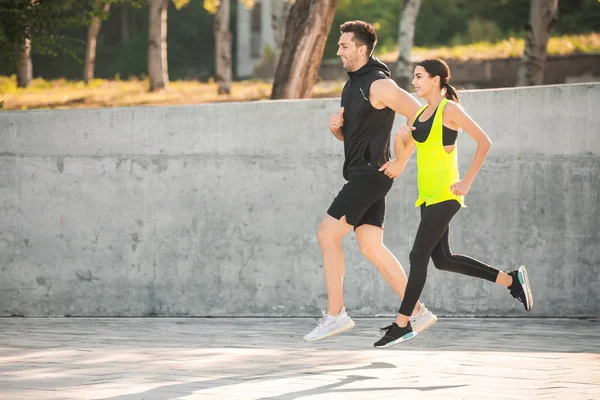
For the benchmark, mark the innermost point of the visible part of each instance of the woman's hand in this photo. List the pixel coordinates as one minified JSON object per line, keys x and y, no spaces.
{"x":460,"y":188}
{"x":405,"y":132}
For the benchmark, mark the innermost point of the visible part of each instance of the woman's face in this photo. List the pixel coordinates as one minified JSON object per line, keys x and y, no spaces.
{"x":423,"y":82}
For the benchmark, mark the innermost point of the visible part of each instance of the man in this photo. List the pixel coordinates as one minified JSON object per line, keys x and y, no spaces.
{"x":370,"y":101}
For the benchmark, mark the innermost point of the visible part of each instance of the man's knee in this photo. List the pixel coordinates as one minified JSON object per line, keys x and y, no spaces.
{"x":327,"y":236}
{"x":370,"y":249}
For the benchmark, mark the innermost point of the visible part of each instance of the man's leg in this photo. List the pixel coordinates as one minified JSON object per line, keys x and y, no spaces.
{"x":335,"y":320}
{"x":331,"y":232}
{"x":363,"y":189}
{"x":370,"y":240}
{"x":369,"y":233}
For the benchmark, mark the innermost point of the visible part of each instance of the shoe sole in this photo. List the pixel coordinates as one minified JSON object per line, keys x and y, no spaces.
{"x":430,"y":322}
{"x":334,"y":332}
{"x":524,"y":279}
{"x":404,"y":338}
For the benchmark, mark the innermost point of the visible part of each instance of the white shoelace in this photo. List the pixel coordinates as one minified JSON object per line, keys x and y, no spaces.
{"x":322,"y":319}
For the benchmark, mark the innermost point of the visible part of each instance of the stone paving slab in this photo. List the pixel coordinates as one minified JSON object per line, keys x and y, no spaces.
{"x":265,"y":358}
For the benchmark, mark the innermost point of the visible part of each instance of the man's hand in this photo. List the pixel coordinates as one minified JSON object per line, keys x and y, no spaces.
{"x":336,"y":121}
{"x":393,"y":168}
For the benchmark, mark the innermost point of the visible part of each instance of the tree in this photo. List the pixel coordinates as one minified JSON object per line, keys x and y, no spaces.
{"x":90,"y":50}
{"x":22,"y":41}
{"x":543,"y":14}
{"x":101,"y":9}
{"x":222,"y":35}
{"x":280,"y":9}
{"x":406,"y":34}
{"x":124,"y":24}
{"x":157,"y":45}
{"x":306,"y":31}
{"x":24,"y":65}
{"x":223,"y":39}
{"x":34,"y":26}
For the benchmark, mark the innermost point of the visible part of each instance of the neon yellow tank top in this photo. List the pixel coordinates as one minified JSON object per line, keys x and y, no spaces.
{"x":437,"y":170}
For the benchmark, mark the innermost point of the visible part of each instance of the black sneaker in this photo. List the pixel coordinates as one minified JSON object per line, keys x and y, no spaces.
{"x":393,"y":334}
{"x":520,"y":288}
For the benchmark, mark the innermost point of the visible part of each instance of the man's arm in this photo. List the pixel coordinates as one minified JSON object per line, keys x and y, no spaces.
{"x":339,"y":134}
{"x":404,"y":146}
{"x":336,"y":124}
{"x":385,"y":93}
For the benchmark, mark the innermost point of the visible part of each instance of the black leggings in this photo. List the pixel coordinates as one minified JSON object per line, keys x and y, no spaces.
{"x":432,"y":241}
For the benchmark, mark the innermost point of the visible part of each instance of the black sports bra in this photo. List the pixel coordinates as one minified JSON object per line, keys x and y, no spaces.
{"x":421,"y":133}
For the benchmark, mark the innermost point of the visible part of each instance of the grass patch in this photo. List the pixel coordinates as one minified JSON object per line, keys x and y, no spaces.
{"x":62,"y":94}
{"x":563,"y":45}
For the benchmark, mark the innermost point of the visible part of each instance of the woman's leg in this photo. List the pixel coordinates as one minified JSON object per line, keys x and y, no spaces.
{"x":517,"y":280}
{"x":434,"y":221}
{"x":444,"y":259}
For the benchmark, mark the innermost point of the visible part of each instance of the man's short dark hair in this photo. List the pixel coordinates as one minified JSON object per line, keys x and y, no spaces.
{"x":364,"y":33}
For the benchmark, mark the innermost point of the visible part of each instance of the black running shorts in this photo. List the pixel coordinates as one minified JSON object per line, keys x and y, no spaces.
{"x":362,"y":198}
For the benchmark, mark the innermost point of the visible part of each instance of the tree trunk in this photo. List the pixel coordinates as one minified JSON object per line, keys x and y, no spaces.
{"x":222,"y":35}
{"x":157,"y":45}
{"x":24,"y":66}
{"x":90,"y":51}
{"x":406,"y":34}
{"x":280,"y":9}
{"x":543,"y":14}
{"x":306,"y":31}
{"x":124,"y":25}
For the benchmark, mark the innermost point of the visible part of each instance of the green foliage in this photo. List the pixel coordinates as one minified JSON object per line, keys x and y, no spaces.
{"x":127,"y":59}
{"x":190,"y":43}
{"x":20,"y":19}
{"x":179,"y":4}
{"x":381,"y":13}
{"x":212,"y":6}
{"x":42,"y":22}
{"x":578,"y":16}
{"x":58,"y":29}
{"x":452,"y":22}
{"x":478,"y":30}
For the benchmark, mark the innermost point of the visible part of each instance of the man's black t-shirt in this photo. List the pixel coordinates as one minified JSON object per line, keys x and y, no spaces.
{"x":366,"y":129}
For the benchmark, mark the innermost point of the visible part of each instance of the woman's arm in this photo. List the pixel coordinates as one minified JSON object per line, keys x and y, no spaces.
{"x":460,"y":118}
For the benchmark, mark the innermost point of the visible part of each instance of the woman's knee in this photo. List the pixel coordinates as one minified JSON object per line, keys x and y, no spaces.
{"x":444,"y":259}
{"x":439,"y":261}
{"x":418,"y":257}
{"x":418,"y":266}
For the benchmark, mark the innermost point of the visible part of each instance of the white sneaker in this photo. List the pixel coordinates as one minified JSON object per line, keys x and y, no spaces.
{"x":423,"y":320}
{"x":329,"y":326}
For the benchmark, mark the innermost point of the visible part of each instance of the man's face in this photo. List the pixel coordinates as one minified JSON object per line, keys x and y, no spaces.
{"x":348,"y":52}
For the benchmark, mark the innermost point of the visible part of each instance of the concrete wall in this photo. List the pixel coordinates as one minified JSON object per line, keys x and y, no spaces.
{"x":499,"y":72}
{"x":213,"y":209}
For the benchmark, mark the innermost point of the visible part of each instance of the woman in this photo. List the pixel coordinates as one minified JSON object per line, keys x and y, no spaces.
{"x":441,"y":193}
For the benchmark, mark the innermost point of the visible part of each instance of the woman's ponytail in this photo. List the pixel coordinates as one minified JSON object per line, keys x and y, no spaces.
{"x":451,"y":93}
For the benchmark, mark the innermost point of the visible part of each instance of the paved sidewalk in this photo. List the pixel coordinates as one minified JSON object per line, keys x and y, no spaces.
{"x":256,"y":358}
